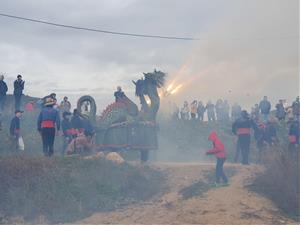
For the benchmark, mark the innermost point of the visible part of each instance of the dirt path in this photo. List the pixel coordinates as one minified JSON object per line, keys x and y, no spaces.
{"x":227,"y":205}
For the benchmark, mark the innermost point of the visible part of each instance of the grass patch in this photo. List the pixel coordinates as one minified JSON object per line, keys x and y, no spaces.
{"x":202,"y":186}
{"x":68,"y":189}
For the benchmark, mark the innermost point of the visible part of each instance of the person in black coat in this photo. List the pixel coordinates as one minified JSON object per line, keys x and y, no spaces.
{"x":3,"y":91}
{"x":119,"y":94}
{"x":76,"y":123}
{"x":15,"y":129}
{"x":294,"y":135}
{"x":242,"y":128}
{"x":18,"y":91}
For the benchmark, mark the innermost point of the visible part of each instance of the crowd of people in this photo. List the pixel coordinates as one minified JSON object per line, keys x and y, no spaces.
{"x":223,"y":111}
{"x":75,"y":128}
{"x":262,"y":120}
{"x":78,"y":132}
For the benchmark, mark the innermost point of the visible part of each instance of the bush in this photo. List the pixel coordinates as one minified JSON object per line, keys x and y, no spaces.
{"x":281,"y":181}
{"x":67,"y":189}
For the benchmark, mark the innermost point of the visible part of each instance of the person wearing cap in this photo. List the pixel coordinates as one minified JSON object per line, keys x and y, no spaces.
{"x":48,"y":120}
{"x":65,"y":105}
{"x":15,"y":129}
{"x":18,"y":91}
{"x":67,"y":130}
{"x":119,"y":94}
{"x":242,"y":129}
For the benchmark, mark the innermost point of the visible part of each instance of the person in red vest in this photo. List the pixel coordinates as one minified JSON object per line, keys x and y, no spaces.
{"x":47,"y":121}
{"x":219,"y":151}
{"x":242,"y":129}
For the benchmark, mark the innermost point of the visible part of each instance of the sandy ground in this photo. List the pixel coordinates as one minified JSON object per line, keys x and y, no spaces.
{"x":227,"y":205}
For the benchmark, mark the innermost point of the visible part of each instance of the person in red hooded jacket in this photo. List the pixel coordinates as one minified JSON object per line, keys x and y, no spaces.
{"x":219,"y":151}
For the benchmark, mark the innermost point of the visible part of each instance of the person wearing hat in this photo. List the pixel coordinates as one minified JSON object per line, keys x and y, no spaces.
{"x":18,"y":91}
{"x":48,"y":120}
{"x":15,"y":129}
{"x":67,"y":130}
{"x":242,"y":129}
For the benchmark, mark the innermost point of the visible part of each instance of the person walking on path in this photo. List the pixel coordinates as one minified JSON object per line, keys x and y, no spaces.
{"x":47,"y":120}
{"x":18,"y":91}
{"x":219,"y":151}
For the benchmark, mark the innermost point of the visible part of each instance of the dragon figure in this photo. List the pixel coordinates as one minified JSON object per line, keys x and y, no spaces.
{"x":121,"y":125}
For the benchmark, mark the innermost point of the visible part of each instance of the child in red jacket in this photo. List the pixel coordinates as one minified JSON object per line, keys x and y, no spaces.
{"x":219,"y":151}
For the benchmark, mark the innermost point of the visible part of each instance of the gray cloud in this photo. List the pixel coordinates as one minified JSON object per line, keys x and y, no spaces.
{"x":230,"y":54}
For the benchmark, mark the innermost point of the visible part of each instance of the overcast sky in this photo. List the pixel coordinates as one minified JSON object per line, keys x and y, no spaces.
{"x":247,"y":48}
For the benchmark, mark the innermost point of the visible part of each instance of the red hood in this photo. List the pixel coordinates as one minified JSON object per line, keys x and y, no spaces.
{"x":213,"y":136}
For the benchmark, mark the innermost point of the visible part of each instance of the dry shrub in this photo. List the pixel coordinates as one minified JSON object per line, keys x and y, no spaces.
{"x":281,"y":180}
{"x":67,"y":189}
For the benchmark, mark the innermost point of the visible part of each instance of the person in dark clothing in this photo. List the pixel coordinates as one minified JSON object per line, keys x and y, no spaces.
{"x":219,"y":110}
{"x":3,"y":91}
{"x":236,"y":110}
{"x":265,"y":107}
{"x":260,"y":137}
{"x":242,"y":128}
{"x":271,"y":132}
{"x":296,"y":109}
{"x":200,"y":111}
{"x":294,"y":134}
{"x":48,"y":119}
{"x":67,"y":130}
{"x":119,"y":94}
{"x":225,"y":110}
{"x":18,"y":91}
{"x":52,"y":96}
{"x":76,"y":123}
{"x":219,"y":151}
{"x":210,"y":108}
{"x":87,"y":125}
{"x":280,"y":111}
{"x":15,"y":129}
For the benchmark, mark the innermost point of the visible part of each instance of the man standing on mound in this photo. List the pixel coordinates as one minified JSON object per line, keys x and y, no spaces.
{"x":48,"y":119}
